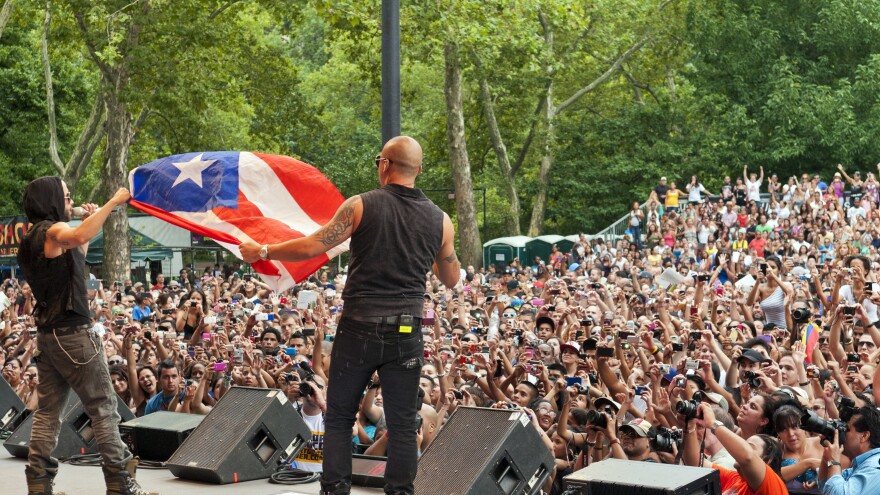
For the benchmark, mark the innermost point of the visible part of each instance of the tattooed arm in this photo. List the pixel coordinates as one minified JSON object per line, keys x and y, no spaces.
{"x":340,"y":228}
{"x":446,"y":266}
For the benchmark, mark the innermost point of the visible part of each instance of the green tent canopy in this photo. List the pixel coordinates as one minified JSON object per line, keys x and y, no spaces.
{"x":143,"y":248}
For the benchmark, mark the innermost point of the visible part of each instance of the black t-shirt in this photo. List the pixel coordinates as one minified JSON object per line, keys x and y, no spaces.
{"x":660,"y":190}
{"x":741,"y":195}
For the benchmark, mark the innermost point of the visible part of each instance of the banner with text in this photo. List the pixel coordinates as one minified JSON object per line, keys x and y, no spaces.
{"x":12,"y":231}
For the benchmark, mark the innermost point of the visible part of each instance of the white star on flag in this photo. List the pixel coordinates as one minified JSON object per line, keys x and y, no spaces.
{"x":192,"y":170}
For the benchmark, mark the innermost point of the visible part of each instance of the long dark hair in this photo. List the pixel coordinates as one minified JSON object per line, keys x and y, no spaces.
{"x":189,"y":295}
{"x":772,"y":453}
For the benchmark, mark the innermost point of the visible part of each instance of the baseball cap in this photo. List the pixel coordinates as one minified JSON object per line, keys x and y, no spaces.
{"x":717,"y":399}
{"x":639,"y":426}
{"x":570,"y":346}
{"x":662,"y":178}
{"x":174,"y":283}
{"x":606,"y":401}
{"x":753,"y":356}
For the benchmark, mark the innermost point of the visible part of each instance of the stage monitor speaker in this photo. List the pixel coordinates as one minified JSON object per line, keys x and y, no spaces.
{"x":486,"y":452}
{"x":619,"y":477}
{"x":76,"y":436}
{"x":368,"y":470}
{"x":155,"y":437}
{"x":245,"y":437}
{"x":11,"y":407}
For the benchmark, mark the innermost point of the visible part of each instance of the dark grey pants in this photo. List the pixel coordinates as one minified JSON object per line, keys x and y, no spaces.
{"x":58,"y":373}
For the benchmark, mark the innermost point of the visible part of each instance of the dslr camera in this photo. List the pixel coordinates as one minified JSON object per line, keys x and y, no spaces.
{"x":690,"y":409}
{"x":812,"y":423}
{"x":800,"y":315}
{"x":752,"y":379}
{"x":666,"y":438}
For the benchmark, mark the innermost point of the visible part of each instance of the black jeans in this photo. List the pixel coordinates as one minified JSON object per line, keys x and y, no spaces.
{"x":359,"y":349}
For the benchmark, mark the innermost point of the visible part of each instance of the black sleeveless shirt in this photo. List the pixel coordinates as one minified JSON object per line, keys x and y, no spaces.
{"x":59,"y":284}
{"x":392,"y":250}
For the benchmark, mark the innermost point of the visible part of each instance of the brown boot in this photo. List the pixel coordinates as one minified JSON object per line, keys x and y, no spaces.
{"x":123,"y":482}
{"x":40,"y":481}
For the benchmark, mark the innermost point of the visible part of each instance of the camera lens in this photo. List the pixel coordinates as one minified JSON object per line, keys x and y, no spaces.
{"x":597,"y":419}
{"x":688,"y":409}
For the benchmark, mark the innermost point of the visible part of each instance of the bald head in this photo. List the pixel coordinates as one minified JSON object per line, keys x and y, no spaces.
{"x":405,"y":154}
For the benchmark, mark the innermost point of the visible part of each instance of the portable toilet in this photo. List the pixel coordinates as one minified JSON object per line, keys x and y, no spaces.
{"x":503,"y":250}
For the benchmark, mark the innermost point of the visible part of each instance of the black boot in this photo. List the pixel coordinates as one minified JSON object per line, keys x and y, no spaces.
{"x":338,"y":488}
{"x":40,"y":481}
{"x":123,"y":482}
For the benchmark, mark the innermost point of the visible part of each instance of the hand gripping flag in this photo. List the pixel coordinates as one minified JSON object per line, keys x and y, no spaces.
{"x":233,"y":196}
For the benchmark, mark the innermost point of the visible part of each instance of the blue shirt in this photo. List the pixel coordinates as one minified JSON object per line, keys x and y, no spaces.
{"x":160,"y":403}
{"x":138,"y":314}
{"x":862,"y":477}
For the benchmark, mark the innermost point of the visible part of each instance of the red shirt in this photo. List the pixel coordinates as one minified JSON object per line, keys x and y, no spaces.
{"x":733,"y":484}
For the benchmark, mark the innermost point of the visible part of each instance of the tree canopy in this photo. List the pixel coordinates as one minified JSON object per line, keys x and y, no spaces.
{"x":570,"y":109}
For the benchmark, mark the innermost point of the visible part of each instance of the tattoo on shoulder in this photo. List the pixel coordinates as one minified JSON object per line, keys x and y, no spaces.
{"x":339,"y":227}
{"x":451,"y":258}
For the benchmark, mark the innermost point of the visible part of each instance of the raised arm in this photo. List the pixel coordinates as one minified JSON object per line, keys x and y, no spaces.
{"x":340,"y":228}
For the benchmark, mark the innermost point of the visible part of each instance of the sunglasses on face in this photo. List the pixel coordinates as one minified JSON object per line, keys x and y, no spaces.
{"x":114,"y":361}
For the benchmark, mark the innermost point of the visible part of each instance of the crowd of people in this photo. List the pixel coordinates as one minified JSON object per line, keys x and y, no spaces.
{"x":737,"y":331}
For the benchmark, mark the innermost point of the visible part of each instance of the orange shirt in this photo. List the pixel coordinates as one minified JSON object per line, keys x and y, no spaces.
{"x":733,"y":484}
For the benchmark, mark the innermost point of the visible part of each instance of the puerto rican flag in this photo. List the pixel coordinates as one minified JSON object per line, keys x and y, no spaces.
{"x":233,"y":196}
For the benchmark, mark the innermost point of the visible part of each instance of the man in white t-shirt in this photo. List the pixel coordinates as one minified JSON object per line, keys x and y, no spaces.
{"x":753,"y":184}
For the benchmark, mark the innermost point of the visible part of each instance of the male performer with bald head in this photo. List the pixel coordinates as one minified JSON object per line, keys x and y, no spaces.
{"x":397,"y":236}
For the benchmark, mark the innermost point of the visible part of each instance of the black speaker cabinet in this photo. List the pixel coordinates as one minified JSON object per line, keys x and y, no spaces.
{"x":484,"y":452}
{"x":76,"y":436}
{"x":618,"y":477}
{"x":245,"y":437}
{"x":11,"y":407}
{"x":155,"y":437}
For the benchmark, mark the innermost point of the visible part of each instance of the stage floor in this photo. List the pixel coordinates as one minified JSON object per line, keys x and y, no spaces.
{"x":86,"y":480}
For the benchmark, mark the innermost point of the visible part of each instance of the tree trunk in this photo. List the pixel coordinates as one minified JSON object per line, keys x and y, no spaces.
{"x":512,"y":215}
{"x":5,"y":13}
{"x":117,"y":249}
{"x":539,"y":208}
{"x":468,"y":232}
{"x":90,"y":136}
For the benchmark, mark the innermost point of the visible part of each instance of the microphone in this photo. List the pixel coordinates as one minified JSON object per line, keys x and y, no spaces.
{"x":79,"y":211}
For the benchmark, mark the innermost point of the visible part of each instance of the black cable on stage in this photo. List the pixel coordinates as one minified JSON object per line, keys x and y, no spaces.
{"x":83,"y":460}
{"x":286,"y":475}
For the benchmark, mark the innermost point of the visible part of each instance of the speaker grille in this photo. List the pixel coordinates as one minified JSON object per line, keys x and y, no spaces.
{"x":225,"y":428}
{"x":455,"y":459}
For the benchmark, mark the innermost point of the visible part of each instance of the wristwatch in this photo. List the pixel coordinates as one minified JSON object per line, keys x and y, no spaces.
{"x":715,"y":425}
{"x":832,"y":463}
{"x":264,"y":252}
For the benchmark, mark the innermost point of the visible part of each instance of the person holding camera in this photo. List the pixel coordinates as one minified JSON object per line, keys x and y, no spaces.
{"x":314,"y":406}
{"x":861,"y":443}
{"x":758,"y":459}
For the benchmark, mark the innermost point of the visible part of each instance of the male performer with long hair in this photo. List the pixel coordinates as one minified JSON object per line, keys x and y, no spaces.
{"x":69,"y":353}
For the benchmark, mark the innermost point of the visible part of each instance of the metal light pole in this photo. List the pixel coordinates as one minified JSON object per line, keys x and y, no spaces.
{"x":390,"y":69}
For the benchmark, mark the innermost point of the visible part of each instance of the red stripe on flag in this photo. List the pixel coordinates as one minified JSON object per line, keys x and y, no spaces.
{"x":313,"y":192}
{"x":248,"y":218}
{"x":263,"y":267}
